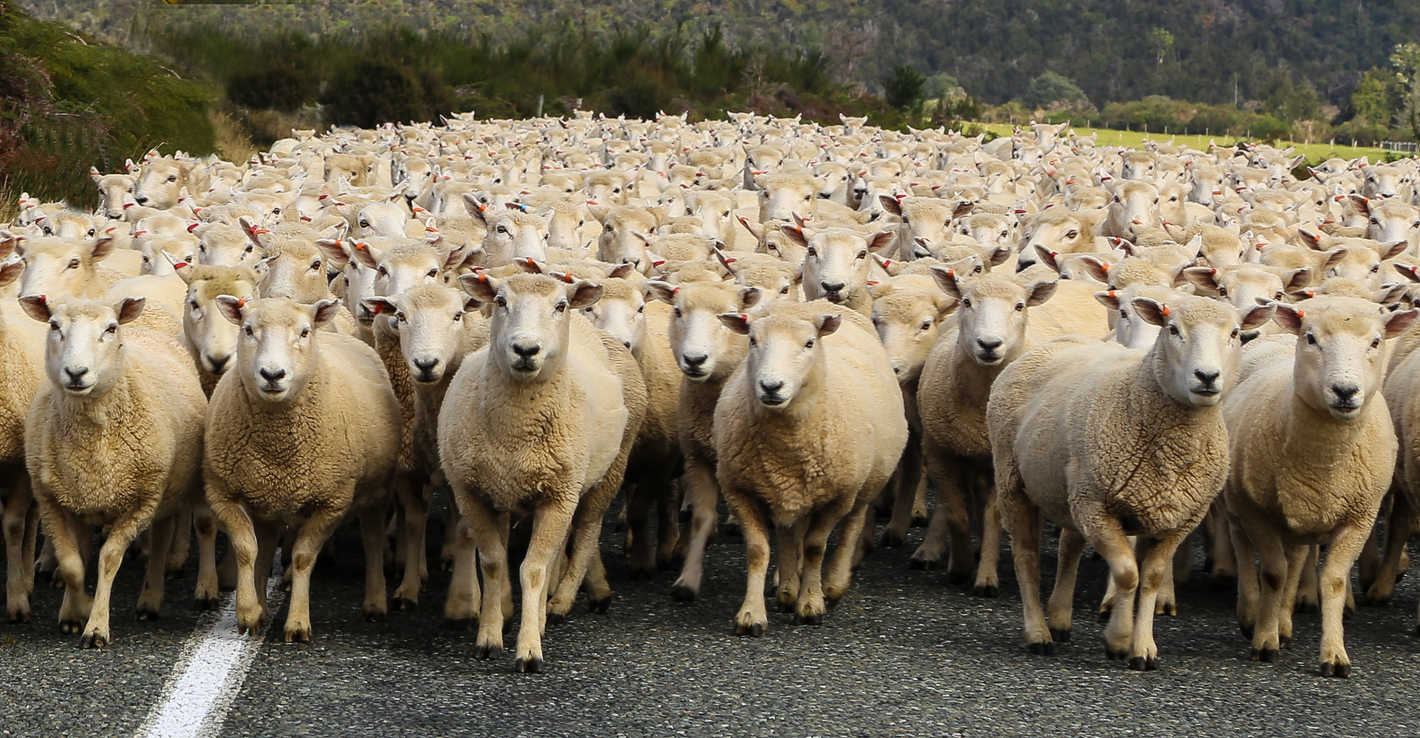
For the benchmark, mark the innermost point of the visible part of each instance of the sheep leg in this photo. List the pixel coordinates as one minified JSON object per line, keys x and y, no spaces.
{"x":453,"y":538}
{"x":375,"y":607}
{"x":1183,"y":560}
{"x":1107,"y":537}
{"x":1273,"y":560}
{"x":551,"y":524}
{"x":988,"y":581}
{"x":1249,"y":588}
{"x":462,"y":605}
{"x":1298,"y":558}
{"x":640,"y":499}
{"x":1345,"y":546}
{"x":1111,"y":593}
{"x":1158,"y":564}
{"x":667,"y":525}
{"x":243,"y":548}
{"x":904,"y":484}
{"x":919,"y":503}
{"x":1059,"y":609}
{"x":752,"y":620}
{"x":124,"y":530}
{"x":1225,"y":559}
{"x":20,"y":568}
{"x":585,"y":533}
{"x":811,"y":607}
{"x":1026,"y":527}
{"x":483,"y":525}
{"x":1382,"y":584}
{"x":703,"y":493}
{"x":950,"y":519}
{"x":66,"y":532}
{"x":48,"y":563}
{"x":150,"y":601}
{"x":840,"y":570}
{"x":414,"y":500}
{"x":309,"y":538}
{"x":1307,"y":595}
{"x":208,"y":587}
{"x":789,"y":540}
{"x":181,"y":545}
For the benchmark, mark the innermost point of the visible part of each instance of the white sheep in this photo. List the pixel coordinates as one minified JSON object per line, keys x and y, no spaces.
{"x":303,"y":429}
{"x":114,"y":436}
{"x":22,"y":348}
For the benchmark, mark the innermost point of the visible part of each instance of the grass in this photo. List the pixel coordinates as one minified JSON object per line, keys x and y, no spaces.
{"x":1315,"y":152}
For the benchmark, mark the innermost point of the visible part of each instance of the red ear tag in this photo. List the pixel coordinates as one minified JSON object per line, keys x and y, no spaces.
{"x":1112,"y":295}
{"x":241,"y":303}
{"x":1165,"y":310}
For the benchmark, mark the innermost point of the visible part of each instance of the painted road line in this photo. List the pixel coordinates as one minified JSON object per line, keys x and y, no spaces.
{"x":208,"y":676}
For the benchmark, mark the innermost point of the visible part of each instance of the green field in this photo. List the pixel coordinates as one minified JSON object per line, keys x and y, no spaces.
{"x":1315,"y":152}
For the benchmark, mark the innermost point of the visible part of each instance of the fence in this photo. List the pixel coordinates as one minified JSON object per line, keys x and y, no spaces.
{"x":1406,"y":146}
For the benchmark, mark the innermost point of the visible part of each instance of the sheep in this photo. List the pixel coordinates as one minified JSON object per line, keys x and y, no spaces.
{"x":925,"y":222}
{"x":114,"y":436}
{"x":837,"y":264}
{"x":624,"y":233}
{"x":707,"y":353}
{"x":576,"y":396}
{"x":22,"y":346}
{"x":510,"y":235}
{"x":279,"y":450}
{"x":112,"y":188}
{"x":993,"y":327}
{"x":1069,"y":423}
{"x":807,"y":431}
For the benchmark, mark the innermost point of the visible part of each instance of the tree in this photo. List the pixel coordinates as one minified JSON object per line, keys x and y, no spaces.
{"x":1406,"y":61}
{"x":1160,"y":42}
{"x":1051,"y":88}
{"x":903,"y":88}
{"x":1290,"y":102}
{"x":1372,"y":99}
{"x":939,"y":86}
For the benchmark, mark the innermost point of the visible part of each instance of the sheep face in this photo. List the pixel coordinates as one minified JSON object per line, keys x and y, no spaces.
{"x":359,"y":262}
{"x":62,"y":266}
{"x":907,"y":316}
{"x":84,"y":351}
{"x":608,"y":188}
{"x":1137,"y":165}
{"x":837,"y":181}
{"x":782,"y":195}
{"x":624,"y":235}
{"x":1341,"y":351}
{"x":112,"y":190}
{"x":1199,"y":345}
{"x":622,"y":313}
{"x":716,"y":213}
{"x":1389,"y":220}
{"x":1130,"y":328}
{"x":1359,"y":263}
{"x":784,"y":356}
{"x":1173,"y":207}
{"x":1380,"y":182}
{"x":1134,"y":204}
{"x":991,"y":316}
{"x":528,"y":331}
{"x":430,"y":320}
{"x":160,"y":182}
{"x":160,"y":253}
{"x":513,"y":235}
{"x":1058,"y":230}
{"x":212,"y":338}
{"x":406,"y":266}
{"x":1248,"y":285}
{"x":276,"y":345}
{"x":836,"y":262}
{"x":380,"y":219}
{"x":295,"y":271}
{"x":564,"y":224}
{"x":989,"y":230}
{"x":1207,"y":183}
{"x":69,"y":224}
{"x":926,"y":223}
{"x":225,"y":245}
{"x":704,"y":347}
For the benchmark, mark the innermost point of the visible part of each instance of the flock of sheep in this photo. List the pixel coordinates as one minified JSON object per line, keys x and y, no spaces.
{"x":534,"y":316}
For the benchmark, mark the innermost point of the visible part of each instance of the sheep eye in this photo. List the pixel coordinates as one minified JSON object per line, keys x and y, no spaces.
{"x":382,"y":271}
{"x":500,"y":302}
{"x":249,"y":331}
{"x":641,"y":309}
{"x":561,"y":307}
{"x":926,"y":324}
{"x":315,"y":265}
{"x":1072,"y":234}
{"x":458,"y":316}
{"x":305,"y":332}
{"x":966,"y":303}
{"x":1311,"y":339}
{"x":862,"y":254}
{"x":752,"y":342}
{"x":1376,"y":343}
{"x":172,"y":177}
{"x":1277,"y":296}
{"x":809,"y":344}
{"x":677,"y":312}
{"x":811,"y":252}
{"x":784,"y":290}
{"x":433,"y":273}
{"x":1173,"y":329}
{"x":364,"y":224}
{"x":54,"y":325}
{"x":247,"y":250}
{"x":588,"y":311}
{"x":111,"y":329}
{"x":73,"y":264}
{"x":1235,"y":333}
{"x":1020,"y":307}
{"x":91,"y":231}
{"x":1222,"y":291}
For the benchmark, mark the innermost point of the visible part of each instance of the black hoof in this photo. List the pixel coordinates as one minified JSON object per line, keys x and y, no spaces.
{"x":984,"y":590}
{"x":890,"y":540}
{"x":486,"y":651}
{"x":958,"y":578}
{"x":70,"y":626}
{"x":815,"y":619}
{"x":919,"y":521}
{"x":1246,"y":631}
{"x":302,"y":635}
{"x":1060,"y":636}
{"x":1367,"y":601}
{"x":375,"y":616}
{"x":1042,"y":649}
{"x":208,"y":603}
{"x":144,"y":613}
{"x":1225,"y":581}
{"x":599,"y":606}
{"x":1268,"y":655}
{"x":682,"y":593}
{"x":1328,"y":669}
{"x":1303,"y":606}
{"x":446,"y":563}
{"x":460,"y":623}
{"x":789,"y":605}
{"x":556,"y":618}
{"x":93,"y":640}
{"x":1121,"y":655}
{"x":405,"y":604}
{"x":20,"y":617}
{"x":921,"y":564}
{"x":1140,"y":663}
{"x":528,"y":666}
{"x":1168,"y":609}
{"x":755,"y":630}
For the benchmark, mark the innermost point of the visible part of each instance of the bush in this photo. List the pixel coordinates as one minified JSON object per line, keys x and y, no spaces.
{"x":371,"y":90}
{"x":1050,"y":89}
{"x":903,"y":88}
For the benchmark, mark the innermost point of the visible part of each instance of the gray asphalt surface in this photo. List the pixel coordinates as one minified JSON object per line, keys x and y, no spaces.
{"x":903,"y":654}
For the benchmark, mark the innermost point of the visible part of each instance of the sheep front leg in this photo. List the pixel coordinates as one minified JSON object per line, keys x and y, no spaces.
{"x":703,"y":493}
{"x":1105,"y":534}
{"x":1059,"y":610}
{"x":414,"y":499}
{"x":376,"y":606}
{"x":1298,"y":557}
{"x":790,"y":540}
{"x":461,"y":606}
{"x":66,"y":533}
{"x":181,"y":545}
{"x":1346,"y":543}
{"x":949,"y":514}
{"x":640,"y":549}
{"x":1249,"y":591}
{"x":840,"y":571}
{"x":752,"y":619}
{"x":124,"y":530}
{"x":811,"y":607}
{"x":20,"y":567}
{"x":904,"y":483}
{"x":551,"y":524}
{"x":1158,"y":564}
{"x":1382,"y":582}
{"x":242,"y":547}
{"x":1308,"y":594}
{"x":1024,"y":523}
{"x":452,"y":537}
{"x":1273,"y":559}
{"x":667,"y":526}
{"x":988,"y":582}
{"x":150,"y":601}
{"x":585,"y":531}
{"x":208,"y":587}
{"x":492,"y":545}
{"x":1225,"y":560}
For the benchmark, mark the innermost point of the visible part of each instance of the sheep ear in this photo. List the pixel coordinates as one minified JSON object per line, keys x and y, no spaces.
{"x":1296,"y":279}
{"x":365,"y":255}
{"x":1108,"y":298}
{"x":584,"y":294}
{"x":1258,"y":316}
{"x":750,"y":296}
{"x":1040,"y":292}
{"x":479,"y":286}
{"x":474,"y":208}
{"x":1047,"y":257}
{"x":1313,"y":240}
{"x":827,"y":324}
{"x":1362,"y":204}
{"x":1204,"y":278}
{"x":1333,"y":257}
{"x":999,"y":255}
{"x":103,"y":246}
{"x":1153,"y":312}
{"x":9,"y":242}
{"x":231,"y":308}
{"x":795,"y":234}
{"x":1411,"y":273}
{"x":529,"y":265}
{"x":379,"y":305}
{"x":1400,"y":322}
{"x":880,"y":240}
{"x":334,"y":250}
{"x":962,"y":209}
{"x":622,"y":271}
{"x":737,"y":322}
{"x":1096,"y":267}
{"x":947,"y":280}
{"x":890,"y":204}
{"x":129,"y":308}
{"x":755,"y":229}
{"x":324,"y":311}
{"x":1289,"y":317}
{"x":1392,"y":249}
{"x":658,"y":290}
{"x":37,"y":307}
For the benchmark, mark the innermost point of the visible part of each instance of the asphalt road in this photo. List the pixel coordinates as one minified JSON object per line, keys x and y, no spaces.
{"x":903,"y":654}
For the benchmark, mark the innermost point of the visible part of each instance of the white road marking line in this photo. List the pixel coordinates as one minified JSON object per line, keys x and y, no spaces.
{"x":208,"y":676}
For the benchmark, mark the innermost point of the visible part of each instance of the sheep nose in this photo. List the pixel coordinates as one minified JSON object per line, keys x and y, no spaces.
{"x":218,"y":363}
{"x":140,"y":199}
{"x":425,"y":366}
{"x":824,"y":195}
{"x":1207,"y":378}
{"x":771,"y":388}
{"x":1344,"y":392}
{"x":831,"y":286}
{"x":989,"y":344}
{"x":526,"y":351}
{"x":76,"y":374}
{"x":695,"y":360}
{"x":272,"y":376}
{"x":627,"y":344}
